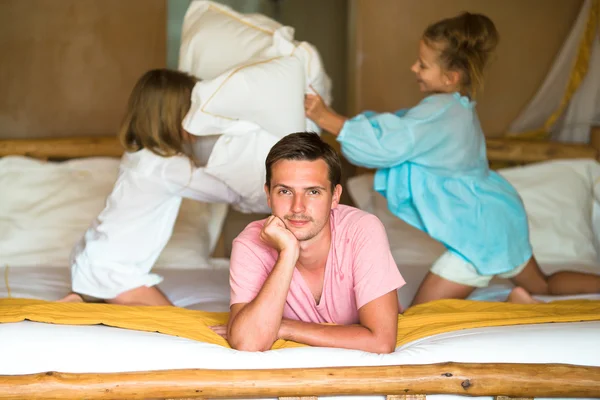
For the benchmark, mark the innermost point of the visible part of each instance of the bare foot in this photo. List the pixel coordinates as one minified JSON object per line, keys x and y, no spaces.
{"x":521,"y":296}
{"x":72,"y":298}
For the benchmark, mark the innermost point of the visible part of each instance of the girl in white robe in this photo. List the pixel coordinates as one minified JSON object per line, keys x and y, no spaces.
{"x":113,"y":260}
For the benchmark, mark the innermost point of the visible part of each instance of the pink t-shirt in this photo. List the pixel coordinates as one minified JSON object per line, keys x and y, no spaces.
{"x":359,"y":269}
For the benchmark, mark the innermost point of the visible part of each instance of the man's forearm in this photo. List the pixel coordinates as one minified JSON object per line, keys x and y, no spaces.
{"x":256,"y":326}
{"x":355,"y":337}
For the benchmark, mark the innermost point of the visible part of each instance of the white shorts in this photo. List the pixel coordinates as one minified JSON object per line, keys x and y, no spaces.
{"x":453,"y":268}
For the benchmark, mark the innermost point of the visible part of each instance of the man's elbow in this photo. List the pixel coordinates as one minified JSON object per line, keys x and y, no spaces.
{"x":245,"y":344}
{"x":385,"y":346}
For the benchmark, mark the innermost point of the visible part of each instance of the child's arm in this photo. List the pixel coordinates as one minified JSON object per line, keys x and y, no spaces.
{"x":327,"y":118}
{"x":384,"y":140}
{"x":183,"y":179}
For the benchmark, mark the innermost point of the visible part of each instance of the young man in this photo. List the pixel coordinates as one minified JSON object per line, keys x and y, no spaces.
{"x":312,"y":261}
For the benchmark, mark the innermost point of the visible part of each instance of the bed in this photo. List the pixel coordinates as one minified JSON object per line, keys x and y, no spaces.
{"x":95,"y":361}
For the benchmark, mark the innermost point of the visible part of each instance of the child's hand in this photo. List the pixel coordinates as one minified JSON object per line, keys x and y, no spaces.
{"x":315,"y":107}
{"x":322,"y":115}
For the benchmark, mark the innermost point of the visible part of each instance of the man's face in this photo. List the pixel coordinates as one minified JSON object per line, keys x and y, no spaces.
{"x":300,"y":194}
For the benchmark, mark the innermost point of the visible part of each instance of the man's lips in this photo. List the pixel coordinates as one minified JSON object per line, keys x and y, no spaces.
{"x":298,"y":222}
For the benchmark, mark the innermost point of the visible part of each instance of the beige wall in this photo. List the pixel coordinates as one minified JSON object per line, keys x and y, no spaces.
{"x":323,"y":23}
{"x":68,"y":65}
{"x":385,"y":34}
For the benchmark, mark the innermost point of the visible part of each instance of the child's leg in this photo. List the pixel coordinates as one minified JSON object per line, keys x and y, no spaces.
{"x":141,"y":296}
{"x":79,"y":298}
{"x":71,"y":298}
{"x":435,"y":287}
{"x":521,"y":296}
{"x":533,"y":280}
{"x":451,"y":277}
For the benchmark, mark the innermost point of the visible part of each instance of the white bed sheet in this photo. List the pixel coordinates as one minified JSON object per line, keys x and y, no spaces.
{"x":208,"y":289}
{"x":498,"y":290}
{"x":202,"y":289}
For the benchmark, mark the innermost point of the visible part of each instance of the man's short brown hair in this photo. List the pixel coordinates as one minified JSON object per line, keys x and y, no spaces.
{"x":305,"y":146}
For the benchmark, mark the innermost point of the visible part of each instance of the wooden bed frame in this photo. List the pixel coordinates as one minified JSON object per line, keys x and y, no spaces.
{"x":396,"y":382}
{"x":499,"y":150}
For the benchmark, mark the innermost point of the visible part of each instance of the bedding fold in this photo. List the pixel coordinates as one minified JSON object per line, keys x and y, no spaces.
{"x":417,"y":322}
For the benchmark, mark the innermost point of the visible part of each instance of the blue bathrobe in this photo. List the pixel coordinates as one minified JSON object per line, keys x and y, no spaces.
{"x":433,"y":170}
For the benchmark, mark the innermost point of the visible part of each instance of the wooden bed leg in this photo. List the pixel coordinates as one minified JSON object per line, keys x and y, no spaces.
{"x":406,"y":396}
{"x":512,"y":398}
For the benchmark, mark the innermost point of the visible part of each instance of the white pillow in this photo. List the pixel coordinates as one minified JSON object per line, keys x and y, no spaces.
{"x":45,"y":209}
{"x":269,"y":93}
{"x":216,"y":39}
{"x":317,"y":79}
{"x":238,"y":160}
{"x":559,"y":204}
{"x":558,"y":200}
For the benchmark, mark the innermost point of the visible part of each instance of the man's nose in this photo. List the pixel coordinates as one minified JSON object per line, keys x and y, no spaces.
{"x":298,"y":203}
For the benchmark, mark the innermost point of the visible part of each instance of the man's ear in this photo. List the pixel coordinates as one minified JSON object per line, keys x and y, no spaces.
{"x":337,"y":195}
{"x":268,"y":193}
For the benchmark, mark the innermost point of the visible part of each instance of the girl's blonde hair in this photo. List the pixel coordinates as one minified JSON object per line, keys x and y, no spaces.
{"x":466,"y":43}
{"x":157,"y":106}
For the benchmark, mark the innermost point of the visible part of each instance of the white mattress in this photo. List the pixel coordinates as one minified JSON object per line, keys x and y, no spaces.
{"x":105,"y":349}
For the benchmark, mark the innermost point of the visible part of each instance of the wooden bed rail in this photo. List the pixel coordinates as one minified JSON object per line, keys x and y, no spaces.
{"x":469,"y":379}
{"x":528,"y":151}
{"x":499,"y":150}
{"x":63,"y":148}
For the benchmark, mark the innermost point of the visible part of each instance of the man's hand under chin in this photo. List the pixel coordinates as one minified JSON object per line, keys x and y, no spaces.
{"x":278,"y":236}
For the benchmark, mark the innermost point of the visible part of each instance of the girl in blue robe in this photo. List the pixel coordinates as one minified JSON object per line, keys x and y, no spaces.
{"x":433,"y":170}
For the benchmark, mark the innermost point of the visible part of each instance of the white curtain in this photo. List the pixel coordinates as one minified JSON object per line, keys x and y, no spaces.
{"x":583,"y":110}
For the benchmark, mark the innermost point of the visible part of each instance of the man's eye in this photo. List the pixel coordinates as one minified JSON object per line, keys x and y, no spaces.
{"x":314,"y":192}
